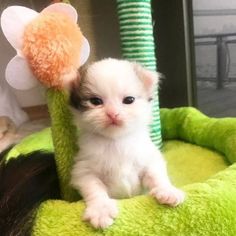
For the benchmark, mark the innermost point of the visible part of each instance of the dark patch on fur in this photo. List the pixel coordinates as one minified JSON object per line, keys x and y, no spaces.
{"x":76,"y":101}
{"x":25,"y":182}
{"x":80,"y":93}
{"x":74,"y":97}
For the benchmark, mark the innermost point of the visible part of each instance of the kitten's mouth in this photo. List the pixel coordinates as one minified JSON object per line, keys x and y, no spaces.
{"x":114,"y":123}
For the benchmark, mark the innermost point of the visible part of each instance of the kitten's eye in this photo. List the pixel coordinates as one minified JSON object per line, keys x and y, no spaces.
{"x":96,"y":101}
{"x":128,"y":100}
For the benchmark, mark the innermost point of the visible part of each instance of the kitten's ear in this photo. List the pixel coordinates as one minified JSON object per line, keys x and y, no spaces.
{"x":149,"y":78}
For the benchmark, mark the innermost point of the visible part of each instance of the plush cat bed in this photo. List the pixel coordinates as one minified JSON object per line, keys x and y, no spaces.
{"x":200,"y":153}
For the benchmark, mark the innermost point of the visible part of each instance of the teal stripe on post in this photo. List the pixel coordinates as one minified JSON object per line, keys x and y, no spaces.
{"x":137,"y":42}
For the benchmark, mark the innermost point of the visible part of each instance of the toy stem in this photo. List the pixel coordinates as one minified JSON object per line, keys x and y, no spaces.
{"x":64,"y":135}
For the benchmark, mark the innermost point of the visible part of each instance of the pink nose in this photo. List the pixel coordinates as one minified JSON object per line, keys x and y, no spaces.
{"x":112,"y":116}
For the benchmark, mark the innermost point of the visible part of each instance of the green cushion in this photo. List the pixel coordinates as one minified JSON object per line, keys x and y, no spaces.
{"x":200,"y":153}
{"x":38,"y":141}
{"x":190,"y":125}
{"x":210,"y":207}
{"x":188,"y":163}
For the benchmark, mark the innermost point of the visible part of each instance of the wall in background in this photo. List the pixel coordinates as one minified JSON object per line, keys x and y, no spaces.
{"x":99,"y":22}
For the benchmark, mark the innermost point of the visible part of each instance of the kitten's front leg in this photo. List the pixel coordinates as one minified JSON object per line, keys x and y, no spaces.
{"x":100,"y":208}
{"x":155,"y":178}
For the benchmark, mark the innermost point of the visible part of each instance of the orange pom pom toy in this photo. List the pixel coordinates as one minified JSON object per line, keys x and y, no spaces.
{"x":49,"y":45}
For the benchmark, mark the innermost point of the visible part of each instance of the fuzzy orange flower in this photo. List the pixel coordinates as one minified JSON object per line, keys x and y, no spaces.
{"x":49,"y":45}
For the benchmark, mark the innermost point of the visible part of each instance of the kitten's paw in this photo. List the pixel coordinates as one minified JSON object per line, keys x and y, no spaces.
{"x":101,"y":214}
{"x":168,"y":195}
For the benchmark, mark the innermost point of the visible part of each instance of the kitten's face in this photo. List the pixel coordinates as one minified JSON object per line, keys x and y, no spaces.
{"x":111,"y":99}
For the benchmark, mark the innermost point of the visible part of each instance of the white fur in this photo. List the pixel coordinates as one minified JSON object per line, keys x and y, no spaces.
{"x":118,"y":161}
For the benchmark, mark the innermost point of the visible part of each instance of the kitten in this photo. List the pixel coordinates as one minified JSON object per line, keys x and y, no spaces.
{"x":117,"y":158}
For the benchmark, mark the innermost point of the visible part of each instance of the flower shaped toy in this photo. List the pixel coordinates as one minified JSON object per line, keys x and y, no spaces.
{"x":50,"y":46}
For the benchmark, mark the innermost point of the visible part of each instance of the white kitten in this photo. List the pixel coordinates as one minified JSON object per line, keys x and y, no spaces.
{"x":117,"y":158}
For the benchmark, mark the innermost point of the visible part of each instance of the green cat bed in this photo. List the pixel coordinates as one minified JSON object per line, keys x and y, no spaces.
{"x":200,"y":153}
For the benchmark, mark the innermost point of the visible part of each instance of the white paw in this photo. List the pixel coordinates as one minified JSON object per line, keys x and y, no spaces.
{"x":100,"y":214}
{"x":168,"y":195}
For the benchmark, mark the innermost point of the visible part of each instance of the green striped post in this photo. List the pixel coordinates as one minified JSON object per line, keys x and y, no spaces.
{"x":137,"y":42}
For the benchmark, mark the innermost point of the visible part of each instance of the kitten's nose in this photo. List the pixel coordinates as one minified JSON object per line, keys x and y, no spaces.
{"x":112,"y":115}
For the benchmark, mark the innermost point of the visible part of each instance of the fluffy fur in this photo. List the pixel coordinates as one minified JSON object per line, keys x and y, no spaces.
{"x":25,"y":182}
{"x":117,"y":158}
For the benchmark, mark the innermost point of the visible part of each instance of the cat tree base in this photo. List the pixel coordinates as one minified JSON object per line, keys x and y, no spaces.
{"x":200,"y":153}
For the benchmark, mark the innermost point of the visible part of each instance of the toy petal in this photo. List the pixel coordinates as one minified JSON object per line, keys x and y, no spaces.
{"x":85,"y":50}
{"x":13,"y":22}
{"x":63,"y":8}
{"x":19,"y":75}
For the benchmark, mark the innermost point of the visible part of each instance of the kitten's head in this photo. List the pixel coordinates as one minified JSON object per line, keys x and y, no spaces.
{"x":113,"y":97}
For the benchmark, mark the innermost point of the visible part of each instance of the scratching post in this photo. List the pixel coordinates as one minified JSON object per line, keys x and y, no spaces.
{"x":64,"y":138}
{"x":137,"y":42}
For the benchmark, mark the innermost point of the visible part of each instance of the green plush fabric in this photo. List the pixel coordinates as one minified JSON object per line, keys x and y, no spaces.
{"x":189,"y":125}
{"x":188,"y":163}
{"x":64,"y":136}
{"x":205,"y":171}
{"x":200,"y":154}
{"x":210,"y":207}
{"x":38,"y":141}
